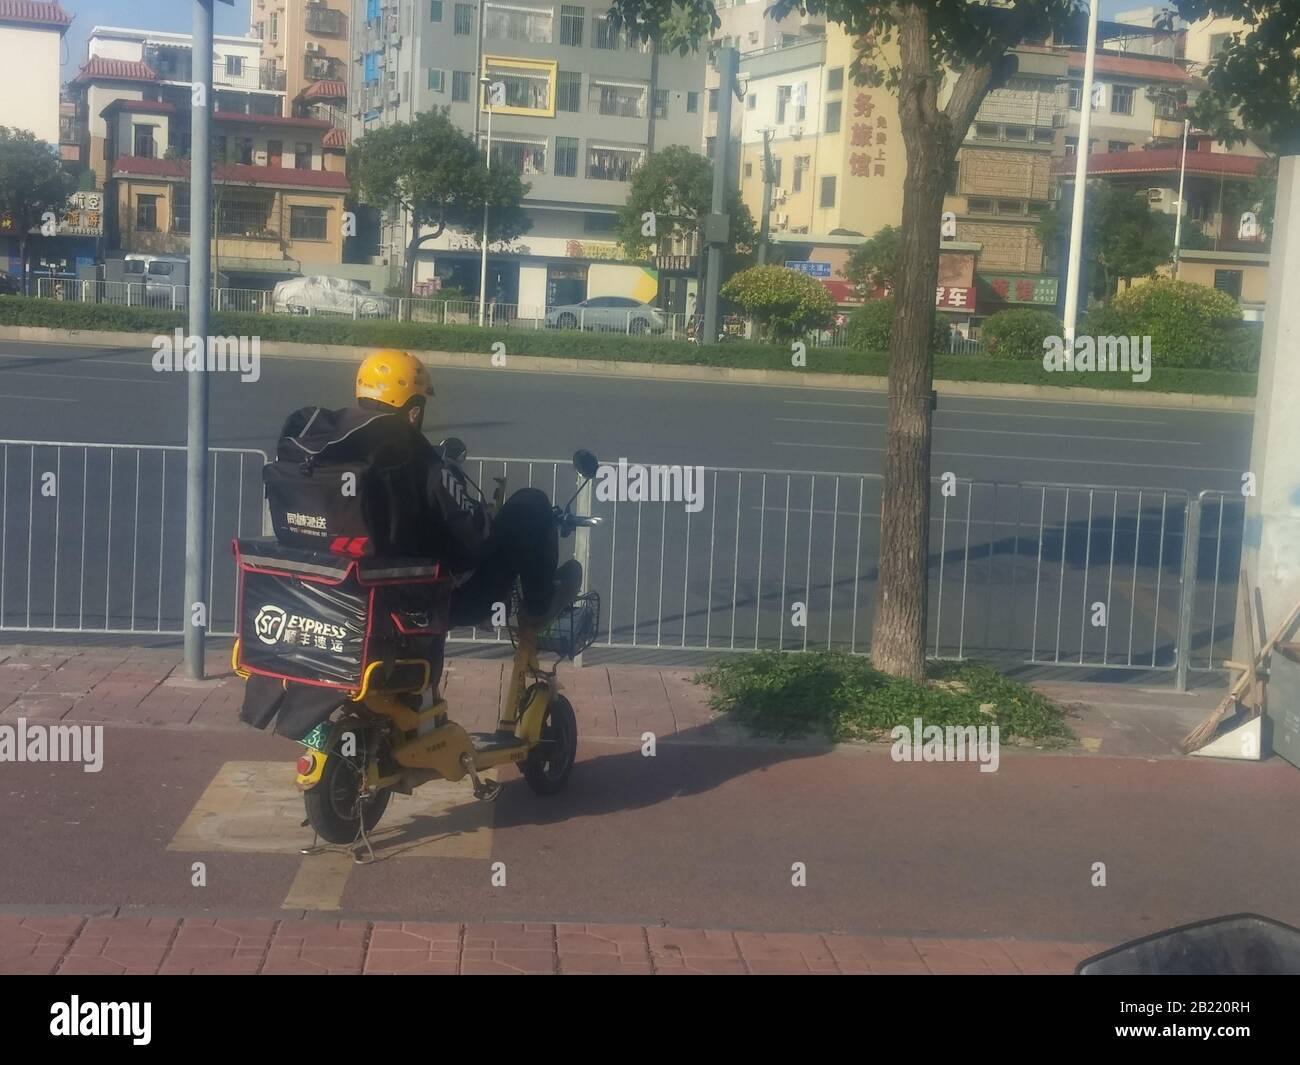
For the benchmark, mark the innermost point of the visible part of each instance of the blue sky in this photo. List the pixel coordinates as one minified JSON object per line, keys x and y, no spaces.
{"x":176,"y":15}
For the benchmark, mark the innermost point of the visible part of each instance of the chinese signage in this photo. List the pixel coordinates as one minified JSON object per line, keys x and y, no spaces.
{"x":868,"y":136}
{"x":946,"y":297}
{"x":810,"y":267}
{"x":83,"y":216}
{"x":1040,"y":290}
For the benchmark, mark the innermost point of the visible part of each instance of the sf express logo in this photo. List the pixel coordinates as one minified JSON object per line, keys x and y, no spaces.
{"x":272,"y":623}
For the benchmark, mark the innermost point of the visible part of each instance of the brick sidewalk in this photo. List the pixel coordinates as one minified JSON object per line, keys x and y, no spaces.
{"x":117,"y":945}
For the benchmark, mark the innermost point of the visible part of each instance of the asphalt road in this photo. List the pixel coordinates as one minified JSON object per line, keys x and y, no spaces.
{"x":791,"y":517}
{"x":699,"y":836}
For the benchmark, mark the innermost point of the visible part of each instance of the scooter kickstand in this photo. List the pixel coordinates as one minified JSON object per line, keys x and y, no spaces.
{"x":486,"y":790}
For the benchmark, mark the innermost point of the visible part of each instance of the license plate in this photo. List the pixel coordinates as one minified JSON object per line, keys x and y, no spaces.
{"x":315,"y":739}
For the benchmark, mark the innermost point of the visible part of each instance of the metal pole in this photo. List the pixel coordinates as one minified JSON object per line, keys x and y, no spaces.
{"x":1080,"y":184}
{"x":1178,"y":218}
{"x":196,"y":440}
{"x":727,"y":63}
{"x":482,"y":268}
{"x":1187,"y":595}
{"x":767,"y":197}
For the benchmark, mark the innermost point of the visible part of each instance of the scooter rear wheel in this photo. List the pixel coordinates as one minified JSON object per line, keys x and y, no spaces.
{"x":334,"y":806}
{"x":548,"y":774}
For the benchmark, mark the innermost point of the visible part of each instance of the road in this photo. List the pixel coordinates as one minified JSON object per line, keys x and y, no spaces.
{"x":699,"y":836}
{"x":1015,"y":566}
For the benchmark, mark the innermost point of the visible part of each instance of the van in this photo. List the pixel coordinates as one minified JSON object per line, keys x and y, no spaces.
{"x":165,"y":279}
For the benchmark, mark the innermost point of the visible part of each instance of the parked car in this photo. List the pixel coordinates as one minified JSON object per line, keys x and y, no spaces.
{"x":165,"y":278}
{"x":10,"y":284}
{"x":617,"y":313}
{"x":326,"y":295}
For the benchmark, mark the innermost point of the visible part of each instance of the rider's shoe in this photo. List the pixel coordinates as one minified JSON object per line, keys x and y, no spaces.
{"x":568,"y":583}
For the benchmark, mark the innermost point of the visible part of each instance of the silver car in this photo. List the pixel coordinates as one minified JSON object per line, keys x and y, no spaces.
{"x":608,"y":313}
{"x":327,"y":295}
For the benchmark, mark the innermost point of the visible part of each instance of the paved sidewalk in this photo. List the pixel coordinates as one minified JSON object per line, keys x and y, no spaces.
{"x":128,"y":945}
{"x":146,"y":686}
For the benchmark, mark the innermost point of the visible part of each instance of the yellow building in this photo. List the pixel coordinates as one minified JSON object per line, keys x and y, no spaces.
{"x":307,"y":40}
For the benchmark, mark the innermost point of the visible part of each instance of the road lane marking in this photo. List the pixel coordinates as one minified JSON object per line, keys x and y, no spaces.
{"x":1021,"y":458}
{"x":983,"y":413}
{"x":1010,"y":432}
{"x":152,"y":379}
{"x":47,"y":399}
{"x":319,"y":882}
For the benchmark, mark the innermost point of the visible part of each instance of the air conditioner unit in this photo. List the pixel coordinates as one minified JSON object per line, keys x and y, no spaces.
{"x":312,"y":48}
{"x":778,"y":195}
{"x":796,"y":132}
{"x":1155,"y":195}
{"x":781,"y":219}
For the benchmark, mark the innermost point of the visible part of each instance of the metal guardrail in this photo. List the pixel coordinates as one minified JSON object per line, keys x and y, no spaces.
{"x":1090,"y":576}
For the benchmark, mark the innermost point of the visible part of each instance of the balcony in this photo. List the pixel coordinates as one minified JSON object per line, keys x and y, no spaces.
{"x":272,"y":77}
{"x":322,"y":68}
{"x":325,"y":20}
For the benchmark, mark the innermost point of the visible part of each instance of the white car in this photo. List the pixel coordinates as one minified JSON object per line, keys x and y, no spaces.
{"x":327,"y":295}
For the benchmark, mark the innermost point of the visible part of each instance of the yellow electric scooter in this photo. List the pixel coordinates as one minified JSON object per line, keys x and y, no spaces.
{"x":381,"y":741}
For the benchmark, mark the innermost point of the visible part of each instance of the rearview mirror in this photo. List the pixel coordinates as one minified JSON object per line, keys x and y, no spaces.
{"x":1241,"y":944}
{"x":454,"y":449}
{"x":585,"y":462}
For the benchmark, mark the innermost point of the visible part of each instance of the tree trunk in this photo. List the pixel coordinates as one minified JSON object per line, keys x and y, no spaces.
{"x":931,"y":137}
{"x":413,"y":249}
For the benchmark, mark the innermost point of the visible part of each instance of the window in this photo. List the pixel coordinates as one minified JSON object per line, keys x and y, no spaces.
{"x":713,"y":101}
{"x":463,"y":25}
{"x":801,"y":163}
{"x":692,"y":102}
{"x":435,"y":10}
{"x":372,"y":10}
{"x":833,"y":111}
{"x":308,"y":223}
{"x":275,"y":153}
{"x":776,"y":171}
{"x":219,"y":149}
{"x":710,"y":146}
{"x":460,"y":83}
{"x":1044,"y":136}
{"x":234,"y":66}
{"x":1121,"y":99}
{"x":571,"y":24}
{"x":523,"y":157}
{"x":275,"y":26}
{"x":987,"y":130}
{"x":1010,"y":207}
{"x":243,"y":217}
{"x":606,"y":35}
{"x":437,"y":80}
{"x":181,"y":209}
{"x":782,"y":101}
{"x":749,"y":170}
{"x":1071,"y":145}
{"x":529,"y":91}
{"x":566,"y":156}
{"x":614,"y":98}
{"x":611,"y":164}
{"x":1017,"y":133}
{"x":661,"y":103}
{"x":568,"y":91}
{"x":517,"y":24}
{"x":594,"y":222}
{"x":1118,"y":146}
{"x":370,"y":69}
{"x":1228,"y":281}
{"x":244,"y":151}
{"x":979,"y":205}
{"x":753,"y":37}
{"x":835,"y":79}
{"x":1074,"y":95}
{"x":143,"y":144}
{"x":302,"y":156}
{"x":1218,"y":42}
{"x":828,"y":192}
{"x":146,"y":214}
{"x":1166,"y":106}
{"x":751,"y":101}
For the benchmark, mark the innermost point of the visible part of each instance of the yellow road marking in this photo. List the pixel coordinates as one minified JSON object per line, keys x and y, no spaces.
{"x":319,"y":882}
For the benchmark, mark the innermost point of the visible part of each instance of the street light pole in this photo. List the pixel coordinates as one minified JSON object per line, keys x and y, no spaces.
{"x":764,"y":226}
{"x":195,"y":610}
{"x":482,"y":269}
{"x":1080,"y":184}
{"x":1178,"y":218}
{"x":717,"y":225}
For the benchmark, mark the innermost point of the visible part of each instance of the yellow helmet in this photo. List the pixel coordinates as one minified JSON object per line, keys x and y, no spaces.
{"x":392,"y":377}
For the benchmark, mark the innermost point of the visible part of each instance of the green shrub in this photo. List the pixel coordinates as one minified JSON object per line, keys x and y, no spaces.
{"x":872,"y":324}
{"x":1019,"y":333}
{"x":1189,"y":325}
{"x":786,"y":303}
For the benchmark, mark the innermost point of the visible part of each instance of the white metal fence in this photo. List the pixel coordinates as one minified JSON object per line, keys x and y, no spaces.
{"x":1065,"y":575}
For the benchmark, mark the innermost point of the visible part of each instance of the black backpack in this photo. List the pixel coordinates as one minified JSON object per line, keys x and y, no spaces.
{"x":345,"y":481}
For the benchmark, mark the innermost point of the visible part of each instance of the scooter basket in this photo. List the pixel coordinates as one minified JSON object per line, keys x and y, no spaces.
{"x":575,"y":629}
{"x":317,"y":618}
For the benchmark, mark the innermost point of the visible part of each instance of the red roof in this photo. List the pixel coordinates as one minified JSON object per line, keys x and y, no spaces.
{"x":115,"y":70}
{"x":270,"y":120}
{"x":1133,"y":66}
{"x":35,"y":12}
{"x":140,"y":107}
{"x":231,"y":173}
{"x":325,"y":90}
{"x":1165,"y":160}
{"x":335,"y":138}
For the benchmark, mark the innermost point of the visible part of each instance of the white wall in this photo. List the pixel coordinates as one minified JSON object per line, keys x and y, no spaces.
{"x":29,"y":81}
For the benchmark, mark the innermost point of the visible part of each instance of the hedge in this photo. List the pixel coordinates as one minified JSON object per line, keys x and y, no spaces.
{"x":25,"y":311}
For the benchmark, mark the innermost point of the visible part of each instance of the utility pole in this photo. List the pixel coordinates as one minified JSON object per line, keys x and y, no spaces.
{"x":1178,"y":218}
{"x":196,"y":436}
{"x":1080,"y":184}
{"x":717,"y":224}
{"x":768,"y":178}
{"x":490,"y":92}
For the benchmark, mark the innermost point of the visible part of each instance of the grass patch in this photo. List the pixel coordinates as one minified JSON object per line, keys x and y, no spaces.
{"x":841,"y":697}
{"x":544,"y":343}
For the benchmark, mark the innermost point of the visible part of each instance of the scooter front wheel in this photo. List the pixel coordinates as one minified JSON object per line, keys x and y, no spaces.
{"x":548,"y":767}
{"x":335,"y":808}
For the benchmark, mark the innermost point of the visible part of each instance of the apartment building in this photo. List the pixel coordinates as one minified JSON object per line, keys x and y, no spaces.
{"x":277,"y":194}
{"x":150,"y":65}
{"x":31,"y":39}
{"x":584,"y":105}
{"x":309,"y":42}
